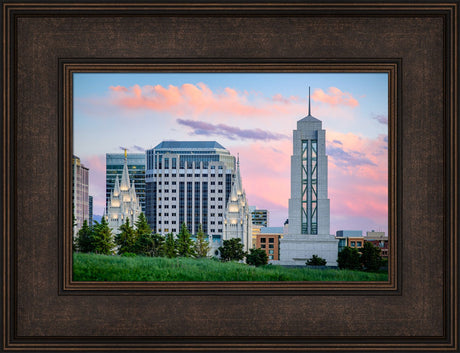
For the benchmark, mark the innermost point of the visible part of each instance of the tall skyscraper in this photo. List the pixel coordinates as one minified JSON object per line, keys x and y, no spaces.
{"x":309,"y":214}
{"x":136,"y":170}
{"x":188,"y":181}
{"x":123,"y":202}
{"x":80,"y":199}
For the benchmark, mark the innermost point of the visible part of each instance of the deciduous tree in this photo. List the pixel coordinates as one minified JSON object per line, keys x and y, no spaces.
{"x":232,"y":250}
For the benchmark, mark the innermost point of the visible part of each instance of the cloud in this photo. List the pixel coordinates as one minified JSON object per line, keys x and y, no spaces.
{"x":231,"y":132}
{"x":334,"y":97}
{"x":337,"y":142}
{"x":198,"y":100}
{"x":348,"y":158}
{"x":123,"y":148}
{"x":138,"y":148}
{"x":382,"y":119}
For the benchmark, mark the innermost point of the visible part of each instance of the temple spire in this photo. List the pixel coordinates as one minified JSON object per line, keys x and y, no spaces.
{"x":125,"y":184}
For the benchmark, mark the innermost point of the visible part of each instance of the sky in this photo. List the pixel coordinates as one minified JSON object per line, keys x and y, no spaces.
{"x":253,"y":115}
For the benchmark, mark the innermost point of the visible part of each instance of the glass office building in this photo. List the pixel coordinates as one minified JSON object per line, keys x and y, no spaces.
{"x":136,"y":171}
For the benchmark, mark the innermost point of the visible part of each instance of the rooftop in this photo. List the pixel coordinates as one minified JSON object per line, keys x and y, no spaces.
{"x":271,"y":230}
{"x":189,"y":145}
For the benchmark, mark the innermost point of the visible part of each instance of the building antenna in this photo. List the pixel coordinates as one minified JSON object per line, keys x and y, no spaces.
{"x":309,"y":100}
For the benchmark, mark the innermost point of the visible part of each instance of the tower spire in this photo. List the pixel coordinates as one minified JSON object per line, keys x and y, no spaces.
{"x":309,"y":110}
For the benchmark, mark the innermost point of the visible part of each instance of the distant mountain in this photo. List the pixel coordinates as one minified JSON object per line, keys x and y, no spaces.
{"x":97,"y":218}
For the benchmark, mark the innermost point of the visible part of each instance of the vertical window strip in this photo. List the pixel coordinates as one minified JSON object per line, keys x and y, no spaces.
{"x":304,"y":176}
{"x":313,"y":190}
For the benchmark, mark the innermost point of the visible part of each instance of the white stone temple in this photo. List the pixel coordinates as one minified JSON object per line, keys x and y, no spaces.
{"x":309,"y":224}
{"x":123,"y":203}
{"x":237,"y":217}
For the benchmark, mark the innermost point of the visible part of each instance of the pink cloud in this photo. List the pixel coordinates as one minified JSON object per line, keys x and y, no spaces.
{"x":334,"y":97}
{"x":359,"y":190}
{"x":195,"y":100}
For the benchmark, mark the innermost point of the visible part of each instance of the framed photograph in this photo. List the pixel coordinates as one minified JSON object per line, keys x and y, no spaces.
{"x":48,"y":49}
{"x":198,"y":149}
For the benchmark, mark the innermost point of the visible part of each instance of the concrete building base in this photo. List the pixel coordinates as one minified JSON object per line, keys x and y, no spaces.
{"x":297,"y":249}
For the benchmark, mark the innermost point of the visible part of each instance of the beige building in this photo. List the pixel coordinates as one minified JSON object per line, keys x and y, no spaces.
{"x":80,"y":197}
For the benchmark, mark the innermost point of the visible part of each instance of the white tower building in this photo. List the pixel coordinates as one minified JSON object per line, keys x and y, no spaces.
{"x":238,"y":218}
{"x":123,"y":203}
{"x":309,"y":223}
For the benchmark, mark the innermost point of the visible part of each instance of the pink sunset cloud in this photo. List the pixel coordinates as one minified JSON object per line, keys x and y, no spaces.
{"x":334,"y":97}
{"x":358,"y":183}
{"x":199,"y":100}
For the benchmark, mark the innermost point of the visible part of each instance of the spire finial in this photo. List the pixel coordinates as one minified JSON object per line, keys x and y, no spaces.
{"x":309,"y":110}
{"x":238,"y":159}
{"x":126,"y":153}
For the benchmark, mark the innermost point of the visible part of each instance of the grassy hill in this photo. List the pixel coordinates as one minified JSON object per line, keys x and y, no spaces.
{"x":92,"y":267}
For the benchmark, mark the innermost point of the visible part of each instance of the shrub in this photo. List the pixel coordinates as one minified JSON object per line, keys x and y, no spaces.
{"x":349,"y":258}
{"x":257,"y":257}
{"x":316,"y":261}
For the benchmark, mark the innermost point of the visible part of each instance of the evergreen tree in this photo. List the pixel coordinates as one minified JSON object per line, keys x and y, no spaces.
{"x":84,"y":240}
{"x":232,"y":250}
{"x":257,"y":257}
{"x":142,"y":227}
{"x":184,"y":243}
{"x":102,"y":238}
{"x":370,"y":257}
{"x":126,"y":239}
{"x":201,"y":244}
{"x":149,"y":244}
{"x":349,"y":258}
{"x":170,"y":246}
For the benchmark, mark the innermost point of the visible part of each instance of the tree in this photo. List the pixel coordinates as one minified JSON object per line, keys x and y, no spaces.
{"x":142,"y":227}
{"x":257,"y":257}
{"x":349,"y":258}
{"x":201,"y":244}
{"x":102,"y":238}
{"x":232,"y":250}
{"x":150,"y":244}
{"x":84,"y":240}
{"x":370,"y":257}
{"x":170,"y":246}
{"x":184,"y":243}
{"x":126,"y":238}
{"x":315,"y":260}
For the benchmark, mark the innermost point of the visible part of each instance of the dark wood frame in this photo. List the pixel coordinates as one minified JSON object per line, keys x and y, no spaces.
{"x":417,"y":43}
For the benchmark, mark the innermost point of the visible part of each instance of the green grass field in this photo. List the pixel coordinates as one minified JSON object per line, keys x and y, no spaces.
{"x":92,"y":267}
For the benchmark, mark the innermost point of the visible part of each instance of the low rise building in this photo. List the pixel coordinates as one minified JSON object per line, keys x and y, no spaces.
{"x":380,"y":240}
{"x":269,"y":239}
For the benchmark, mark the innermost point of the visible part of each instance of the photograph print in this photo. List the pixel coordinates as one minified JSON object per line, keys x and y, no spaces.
{"x":230,"y":177}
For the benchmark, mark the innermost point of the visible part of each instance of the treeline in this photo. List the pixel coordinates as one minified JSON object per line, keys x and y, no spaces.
{"x":368,"y":258}
{"x":138,"y":239}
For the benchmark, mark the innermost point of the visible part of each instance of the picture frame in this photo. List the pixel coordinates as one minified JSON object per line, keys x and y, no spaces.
{"x":43,"y":43}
